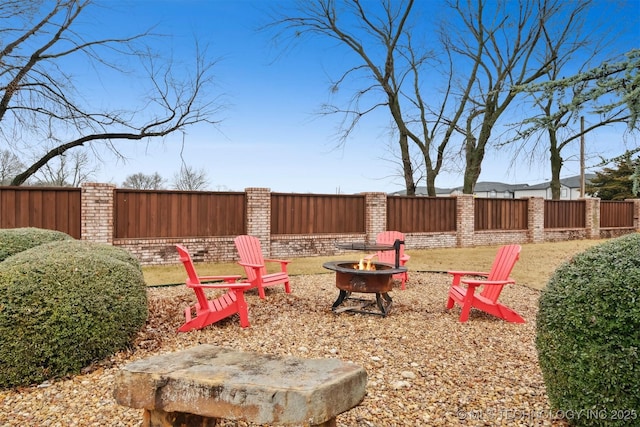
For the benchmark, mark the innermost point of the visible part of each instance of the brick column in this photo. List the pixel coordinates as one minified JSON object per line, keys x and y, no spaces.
{"x":259,"y":216}
{"x":375,"y":215}
{"x":535,"y":212}
{"x":592,"y":218}
{"x":465,"y":220}
{"x":97,"y":204}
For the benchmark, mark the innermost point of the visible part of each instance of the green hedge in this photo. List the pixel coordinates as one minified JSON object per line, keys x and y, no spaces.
{"x":588,"y":335}
{"x":15,"y":240}
{"x":64,"y":305}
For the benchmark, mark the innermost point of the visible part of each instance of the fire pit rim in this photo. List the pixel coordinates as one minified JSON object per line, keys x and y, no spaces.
{"x":337,"y":266}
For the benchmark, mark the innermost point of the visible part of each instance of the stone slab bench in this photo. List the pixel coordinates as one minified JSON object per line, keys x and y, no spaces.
{"x":205,"y":383}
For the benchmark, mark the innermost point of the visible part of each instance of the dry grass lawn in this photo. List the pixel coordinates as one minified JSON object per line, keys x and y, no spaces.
{"x":537,"y":262}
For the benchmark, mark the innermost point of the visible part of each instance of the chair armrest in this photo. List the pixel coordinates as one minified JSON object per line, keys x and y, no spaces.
{"x":228,"y":279}
{"x":473,"y":282}
{"x":226,"y":285}
{"x":457,"y":275}
{"x":246,"y":264}
{"x":281,"y":261}
{"x":468,"y":273}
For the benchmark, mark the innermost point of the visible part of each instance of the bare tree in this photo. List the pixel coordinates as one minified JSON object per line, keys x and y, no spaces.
{"x":10,"y":166}
{"x":488,"y":47}
{"x":504,"y":44}
{"x":68,"y":170}
{"x":377,"y":40}
{"x":189,"y":179}
{"x":39,"y":101}
{"x":564,"y":99}
{"x":141,"y":181}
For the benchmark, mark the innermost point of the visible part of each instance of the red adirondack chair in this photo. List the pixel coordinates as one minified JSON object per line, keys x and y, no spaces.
{"x":495,"y":280}
{"x":206,"y":311}
{"x":389,"y":238}
{"x":252,"y":260}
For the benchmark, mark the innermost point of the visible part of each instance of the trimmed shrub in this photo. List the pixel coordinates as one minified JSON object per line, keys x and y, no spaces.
{"x":588,"y":335}
{"x":15,"y":240}
{"x":64,"y":305}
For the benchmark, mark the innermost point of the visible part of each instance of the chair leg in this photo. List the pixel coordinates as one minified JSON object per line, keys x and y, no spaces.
{"x":450,"y":303}
{"x":464,"y":314}
{"x":243,"y":310}
{"x":261,"y":292}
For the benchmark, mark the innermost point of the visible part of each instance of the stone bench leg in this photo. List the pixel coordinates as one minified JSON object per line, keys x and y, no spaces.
{"x":160,"y":418}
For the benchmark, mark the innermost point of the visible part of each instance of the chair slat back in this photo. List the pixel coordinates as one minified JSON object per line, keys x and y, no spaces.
{"x":389,"y":238}
{"x":192,"y":276}
{"x":501,"y":269}
{"x":250,"y":252}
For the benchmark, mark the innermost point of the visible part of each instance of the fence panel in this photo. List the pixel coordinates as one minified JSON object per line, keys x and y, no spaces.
{"x":421,"y":214}
{"x":157,"y":214}
{"x":317,"y":213}
{"x":501,"y":214}
{"x":616,"y":214}
{"x":564,"y":214}
{"x":41,"y":207}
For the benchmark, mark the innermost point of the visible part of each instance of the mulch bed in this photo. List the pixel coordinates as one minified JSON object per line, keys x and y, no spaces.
{"x":424,"y":367}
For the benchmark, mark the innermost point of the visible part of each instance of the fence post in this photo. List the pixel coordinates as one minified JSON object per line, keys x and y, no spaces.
{"x":375,"y":215}
{"x":592,"y":218}
{"x":465,"y":220}
{"x":96,"y":207}
{"x":259,"y":216}
{"x":536,"y":219}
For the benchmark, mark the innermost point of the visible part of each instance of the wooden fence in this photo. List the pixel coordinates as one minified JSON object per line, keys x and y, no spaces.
{"x":501,"y":214}
{"x":50,"y":208}
{"x":616,"y":214}
{"x":564,"y":214}
{"x":317,"y":213}
{"x":150,"y":214}
{"x":421,"y":214}
{"x":141,"y":214}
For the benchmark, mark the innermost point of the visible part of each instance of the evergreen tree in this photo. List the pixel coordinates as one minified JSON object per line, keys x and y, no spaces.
{"x":617,"y":183}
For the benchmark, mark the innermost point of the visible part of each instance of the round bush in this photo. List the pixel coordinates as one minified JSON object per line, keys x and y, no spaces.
{"x":15,"y":240}
{"x":64,"y":305}
{"x":588,"y":335}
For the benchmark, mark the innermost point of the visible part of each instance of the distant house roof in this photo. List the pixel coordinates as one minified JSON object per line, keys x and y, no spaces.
{"x":570,"y":182}
{"x":500,"y":187}
{"x":482,"y":186}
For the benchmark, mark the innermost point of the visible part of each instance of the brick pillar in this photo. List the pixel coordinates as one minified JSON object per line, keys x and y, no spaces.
{"x":592,"y":218}
{"x":259,"y":216}
{"x":465,"y":220}
{"x":375,"y":215}
{"x":97,"y":203}
{"x":535,"y":212}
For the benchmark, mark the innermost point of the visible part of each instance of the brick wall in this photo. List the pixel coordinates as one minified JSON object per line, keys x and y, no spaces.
{"x":97,"y":225}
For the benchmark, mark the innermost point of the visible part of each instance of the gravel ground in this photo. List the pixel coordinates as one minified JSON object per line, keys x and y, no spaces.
{"x":424,"y":367}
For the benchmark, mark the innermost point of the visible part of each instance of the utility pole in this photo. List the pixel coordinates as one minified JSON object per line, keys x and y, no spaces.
{"x":581,"y":157}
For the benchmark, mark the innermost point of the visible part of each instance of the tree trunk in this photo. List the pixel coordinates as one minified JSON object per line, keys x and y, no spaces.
{"x":556,"y":164}
{"x":407,"y":169}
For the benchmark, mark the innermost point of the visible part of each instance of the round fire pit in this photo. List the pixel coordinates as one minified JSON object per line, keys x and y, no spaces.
{"x":378,"y":280}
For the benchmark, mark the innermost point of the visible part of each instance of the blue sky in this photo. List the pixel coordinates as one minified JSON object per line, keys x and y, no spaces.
{"x":270,"y":134}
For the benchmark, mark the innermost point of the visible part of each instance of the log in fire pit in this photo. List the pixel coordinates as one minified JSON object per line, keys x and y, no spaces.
{"x":353,"y":276}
